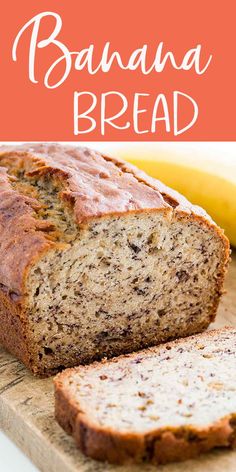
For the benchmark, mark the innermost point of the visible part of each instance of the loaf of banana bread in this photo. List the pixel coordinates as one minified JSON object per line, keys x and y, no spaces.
{"x":98,"y":259}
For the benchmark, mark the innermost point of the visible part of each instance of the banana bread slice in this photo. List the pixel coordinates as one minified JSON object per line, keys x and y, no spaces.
{"x":98,"y":259}
{"x":163,"y":404}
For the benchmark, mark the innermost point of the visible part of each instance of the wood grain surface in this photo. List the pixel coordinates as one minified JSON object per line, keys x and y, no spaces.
{"x":27,"y":415}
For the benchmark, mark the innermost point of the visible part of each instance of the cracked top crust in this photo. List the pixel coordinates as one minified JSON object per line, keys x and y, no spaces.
{"x":95,"y":184}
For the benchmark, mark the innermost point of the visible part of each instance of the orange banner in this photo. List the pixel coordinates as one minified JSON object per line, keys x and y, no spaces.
{"x":118,"y":71}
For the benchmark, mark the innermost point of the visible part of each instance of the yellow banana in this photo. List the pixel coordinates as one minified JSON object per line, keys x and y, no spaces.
{"x":208,"y":182}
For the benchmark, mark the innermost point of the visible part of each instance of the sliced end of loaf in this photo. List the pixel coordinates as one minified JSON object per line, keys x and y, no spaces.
{"x":163,"y":404}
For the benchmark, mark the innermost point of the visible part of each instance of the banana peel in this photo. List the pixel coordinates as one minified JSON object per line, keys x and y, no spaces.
{"x":210,"y":183}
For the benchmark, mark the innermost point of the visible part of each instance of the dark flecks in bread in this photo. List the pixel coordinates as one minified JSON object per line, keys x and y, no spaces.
{"x":163,"y":404}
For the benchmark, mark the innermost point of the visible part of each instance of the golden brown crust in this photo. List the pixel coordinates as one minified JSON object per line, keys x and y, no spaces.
{"x":13,"y":327}
{"x":97,"y":184}
{"x":158,"y":446}
{"x":93,"y":184}
{"x":22,"y":235}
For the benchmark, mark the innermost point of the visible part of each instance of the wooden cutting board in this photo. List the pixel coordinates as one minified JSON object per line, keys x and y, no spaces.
{"x":27,"y":416}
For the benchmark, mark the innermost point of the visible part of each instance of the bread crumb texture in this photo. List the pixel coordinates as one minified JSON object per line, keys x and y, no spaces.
{"x":161,"y":404}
